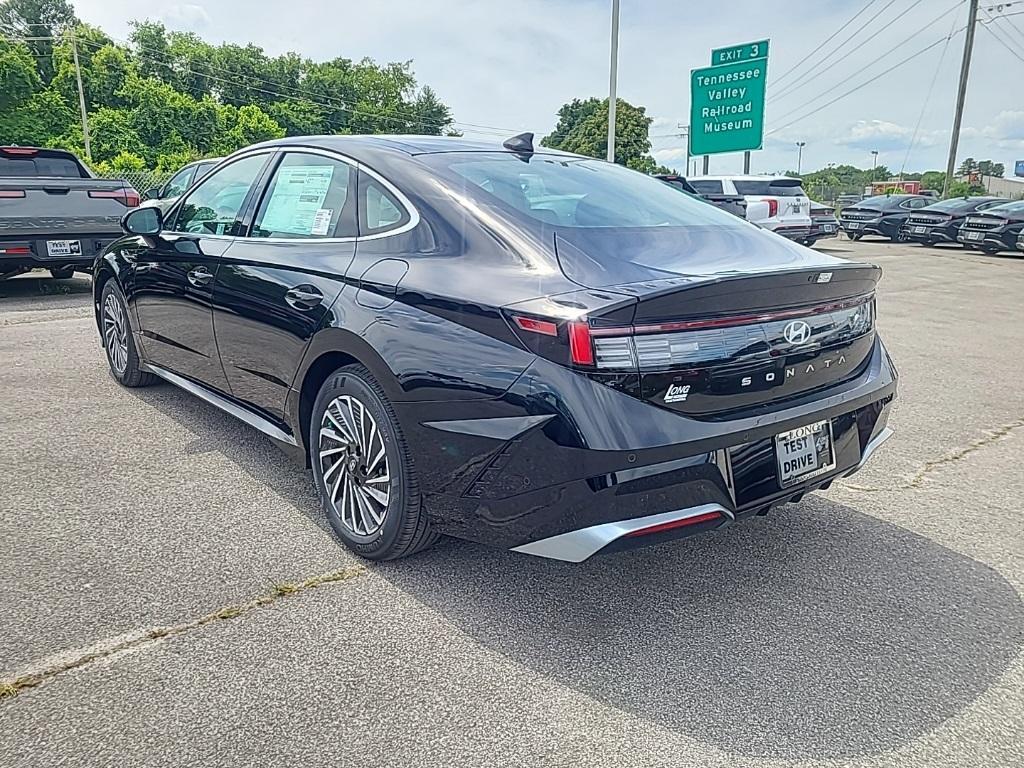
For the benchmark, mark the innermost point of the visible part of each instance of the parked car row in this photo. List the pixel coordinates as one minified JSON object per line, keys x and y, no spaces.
{"x":989,"y":224}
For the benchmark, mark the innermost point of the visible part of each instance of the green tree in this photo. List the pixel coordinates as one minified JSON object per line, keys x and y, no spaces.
{"x":19,"y":78}
{"x":44,"y":120}
{"x":583,"y":128}
{"x":988,"y":168}
{"x":39,"y":20}
{"x":964,"y":189}
{"x":112,"y":133}
{"x":933,"y":180}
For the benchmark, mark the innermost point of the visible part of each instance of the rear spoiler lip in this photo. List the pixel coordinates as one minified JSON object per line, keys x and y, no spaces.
{"x":663,"y":286}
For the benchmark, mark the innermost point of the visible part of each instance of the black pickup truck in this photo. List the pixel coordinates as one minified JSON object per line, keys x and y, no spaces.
{"x":734,"y":204}
{"x":54,"y":214}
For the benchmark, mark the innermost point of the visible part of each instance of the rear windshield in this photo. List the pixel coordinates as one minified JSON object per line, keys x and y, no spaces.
{"x":707,"y":186}
{"x":772,"y":187}
{"x":568,"y":192}
{"x":956,"y":204}
{"x":882,"y":201}
{"x":1017,"y":206}
{"x":60,"y":166}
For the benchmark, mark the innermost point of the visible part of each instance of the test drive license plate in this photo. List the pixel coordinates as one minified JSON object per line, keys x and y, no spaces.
{"x":63,"y":248}
{"x":804,"y":452}
{"x":974,"y":235}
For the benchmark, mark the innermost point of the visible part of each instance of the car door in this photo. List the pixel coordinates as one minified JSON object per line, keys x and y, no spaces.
{"x":276,"y":285}
{"x":172,"y":285}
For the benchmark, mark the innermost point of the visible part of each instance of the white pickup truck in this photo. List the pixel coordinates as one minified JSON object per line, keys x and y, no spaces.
{"x":777,"y":203}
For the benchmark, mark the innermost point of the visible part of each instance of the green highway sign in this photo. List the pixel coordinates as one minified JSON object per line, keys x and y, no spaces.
{"x":727,"y":107}
{"x":735,"y":53}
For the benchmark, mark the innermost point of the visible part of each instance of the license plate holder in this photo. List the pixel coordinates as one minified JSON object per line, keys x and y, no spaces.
{"x":853,"y":225}
{"x":920,"y":230}
{"x":63,"y":247}
{"x":974,"y":235}
{"x":804,"y":453}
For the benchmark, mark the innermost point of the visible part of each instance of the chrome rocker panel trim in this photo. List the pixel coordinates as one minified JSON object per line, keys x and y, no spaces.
{"x":577,"y":546}
{"x":243,"y":414}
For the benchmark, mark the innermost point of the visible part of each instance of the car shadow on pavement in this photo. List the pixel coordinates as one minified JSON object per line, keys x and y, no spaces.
{"x":36,"y":285}
{"x":816,"y":632}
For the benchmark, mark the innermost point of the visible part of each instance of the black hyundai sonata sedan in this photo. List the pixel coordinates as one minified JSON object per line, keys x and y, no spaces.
{"x":525,"y":348}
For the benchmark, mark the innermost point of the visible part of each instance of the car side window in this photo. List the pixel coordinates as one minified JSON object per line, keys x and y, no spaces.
{"x":215,"y":206}
{"x":179,"y":182}
{"x":379,"y":210}
{"x":307,"y":197}
{"x":989,"y":204}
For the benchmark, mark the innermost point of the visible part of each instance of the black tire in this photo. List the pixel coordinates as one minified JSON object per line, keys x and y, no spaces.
{"x":62,"y":273}
{"x":131,"y":375}
{"x":404,"y":528}
{"x":856,"y":237}
{"x":989,"y":250}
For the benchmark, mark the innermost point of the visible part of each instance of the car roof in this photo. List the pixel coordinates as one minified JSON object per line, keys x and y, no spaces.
{"x":408,"y":144}
{"x":748,"y":177}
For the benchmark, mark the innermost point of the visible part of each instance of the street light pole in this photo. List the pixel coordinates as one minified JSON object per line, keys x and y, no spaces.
{"x":613,"y":71}
{"x":799,"y":155}
{"x":874,"y":164}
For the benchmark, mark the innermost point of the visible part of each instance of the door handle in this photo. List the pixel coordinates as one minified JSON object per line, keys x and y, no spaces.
{"x":200,"y":277}
{"x":304,"y":297}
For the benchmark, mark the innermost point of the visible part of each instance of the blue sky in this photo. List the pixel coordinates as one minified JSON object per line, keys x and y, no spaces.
{"x":510,"y":65}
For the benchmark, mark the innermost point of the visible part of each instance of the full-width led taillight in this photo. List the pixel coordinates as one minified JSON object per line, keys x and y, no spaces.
{"x":127,"y":196}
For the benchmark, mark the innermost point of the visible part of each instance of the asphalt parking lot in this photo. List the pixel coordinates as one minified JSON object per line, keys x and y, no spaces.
{"x":171,"y":594}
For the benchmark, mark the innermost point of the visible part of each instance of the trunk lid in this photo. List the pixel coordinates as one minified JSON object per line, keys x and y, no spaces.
{"x":725,"y":320}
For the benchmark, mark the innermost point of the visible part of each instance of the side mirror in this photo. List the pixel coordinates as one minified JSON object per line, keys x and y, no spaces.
{"x":153,"y":193}
{"x":143,"y":221}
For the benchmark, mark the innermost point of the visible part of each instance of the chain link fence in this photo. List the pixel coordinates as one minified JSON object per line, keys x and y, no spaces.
{"x":142,"y":181}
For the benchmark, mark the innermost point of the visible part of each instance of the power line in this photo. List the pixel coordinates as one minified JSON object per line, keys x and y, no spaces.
{"x":822,"y":44}
{"x":885,"y":55}
{"x":317,"y":99}
{"x":812,"y":74}
{"x":862,"y":85}
{"x":1012,"y":24}
{"x":1002,"y":42}
{"x":927,"y":98}
{"x":307,"y":96}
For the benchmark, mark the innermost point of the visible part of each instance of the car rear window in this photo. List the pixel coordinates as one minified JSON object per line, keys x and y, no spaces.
{"x":956,"y":204}
{"x":570,"y":192}
{"x":61,"y":166}
{"x":774,"y":188}
{"x":707,"y":186}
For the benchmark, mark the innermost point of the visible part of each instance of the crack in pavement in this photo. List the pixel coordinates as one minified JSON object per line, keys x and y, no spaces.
{"x":139,"y":639}
{"x":929,"y":466}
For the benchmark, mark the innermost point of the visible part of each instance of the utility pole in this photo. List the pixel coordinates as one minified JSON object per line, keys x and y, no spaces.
{"x":612,"y":76}
{"x":706,"y":165}
{"x":685,"y":134}
{"x":874,"y":163}
{"x":799,"y":155}
{"x":81,"y":99}
{"x":961,"y":94}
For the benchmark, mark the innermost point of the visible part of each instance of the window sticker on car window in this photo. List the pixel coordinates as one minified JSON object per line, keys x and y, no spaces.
{"x":322,"y":221}
{"x":296,"y":199}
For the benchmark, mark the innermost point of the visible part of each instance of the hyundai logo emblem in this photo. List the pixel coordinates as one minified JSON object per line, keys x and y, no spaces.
{"x":797,"y":332}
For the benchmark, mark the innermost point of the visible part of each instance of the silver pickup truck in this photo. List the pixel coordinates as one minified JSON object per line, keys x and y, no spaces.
{"x":54,"y":214}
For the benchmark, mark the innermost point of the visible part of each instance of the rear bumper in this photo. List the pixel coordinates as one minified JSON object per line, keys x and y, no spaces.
{"x":792,"y":233}
{"x":930,"y":235}
{"x":34,"y":252}
{"x":600,"y":465}
{"x":1004,"y":241}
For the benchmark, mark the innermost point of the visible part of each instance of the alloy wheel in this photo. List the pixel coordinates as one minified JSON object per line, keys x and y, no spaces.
{"x":354,"y":463}
{"x":115,"y":333}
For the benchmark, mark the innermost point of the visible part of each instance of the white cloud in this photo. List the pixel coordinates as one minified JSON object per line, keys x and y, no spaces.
{"x":188,"y":17}
{"x":514,"y":68}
